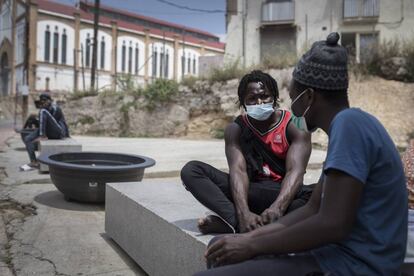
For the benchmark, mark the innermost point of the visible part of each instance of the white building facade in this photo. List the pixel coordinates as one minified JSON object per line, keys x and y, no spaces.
{"x":53,"y":47}
{"x":260,"y":28}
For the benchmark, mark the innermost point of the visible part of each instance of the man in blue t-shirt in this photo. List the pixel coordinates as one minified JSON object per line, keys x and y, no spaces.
{"x":356,"y":220}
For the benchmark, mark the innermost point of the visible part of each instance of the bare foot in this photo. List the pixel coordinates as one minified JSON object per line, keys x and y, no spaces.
{"x":34,"y":164}
{"x":213,"y":224}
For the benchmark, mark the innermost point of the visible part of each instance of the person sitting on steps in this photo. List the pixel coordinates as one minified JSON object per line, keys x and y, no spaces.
{"x":52,"y":125}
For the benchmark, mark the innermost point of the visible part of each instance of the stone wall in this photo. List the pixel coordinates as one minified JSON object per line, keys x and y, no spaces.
{"x":204,"y":110}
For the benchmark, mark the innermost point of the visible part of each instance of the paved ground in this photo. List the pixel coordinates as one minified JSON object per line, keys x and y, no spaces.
{"x":42,"y":234}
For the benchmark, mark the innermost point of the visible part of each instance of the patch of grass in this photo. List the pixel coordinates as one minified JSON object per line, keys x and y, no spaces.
{"x":86,"y":120}
{"x":126,"y":83}
{"x":81,"y":94}
{"x":189,"y":81}
{"x":408,"y":53}
{"x":160,"y":91}
{"x":218,"y":133}
{"x":227,"y":72}
{"x":371,"y":64}
{"x":284,"y":57}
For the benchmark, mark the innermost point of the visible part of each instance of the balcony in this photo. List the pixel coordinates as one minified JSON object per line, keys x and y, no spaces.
{"x":361,"y":10}
{"x":278,"y":13}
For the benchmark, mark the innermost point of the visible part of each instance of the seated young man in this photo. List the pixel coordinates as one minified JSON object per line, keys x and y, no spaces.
{"x":52,"y":125}
{"x":356,"y":220}
{"x":267,"y":157}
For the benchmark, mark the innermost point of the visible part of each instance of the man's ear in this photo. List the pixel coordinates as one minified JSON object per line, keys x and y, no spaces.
{"x":310,"y":95}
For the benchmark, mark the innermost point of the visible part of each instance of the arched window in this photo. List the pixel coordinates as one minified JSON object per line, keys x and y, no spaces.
{"x":64,"y":46}
{"x":188,"y":64}
{"x":55,"y":45}
{"x":123,"y":57}
{"x":166,"y":64}
{"x":136,"y":59}
{"x":183,"y":64}
{"x":47,"y":44}
{"x":103,"y":53}
{"x":194,"y":65}
{"x":88,"y":51}
{"x":162,"y":62}
{"x":130,"y":58}
{"x":154,"y":62}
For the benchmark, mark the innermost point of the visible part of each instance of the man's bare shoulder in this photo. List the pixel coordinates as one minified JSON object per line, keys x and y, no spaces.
{"x":232,"y":133}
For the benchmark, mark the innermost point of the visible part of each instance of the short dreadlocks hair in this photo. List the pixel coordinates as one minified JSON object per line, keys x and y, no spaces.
{"x":255,"y":76}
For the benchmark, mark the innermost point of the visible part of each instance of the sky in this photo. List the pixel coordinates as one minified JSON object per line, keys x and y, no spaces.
{"x":210,"y":22}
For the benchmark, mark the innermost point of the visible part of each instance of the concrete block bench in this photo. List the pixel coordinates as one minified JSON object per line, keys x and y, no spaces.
{"x":154,"y":221}
{"x":53,"y":146}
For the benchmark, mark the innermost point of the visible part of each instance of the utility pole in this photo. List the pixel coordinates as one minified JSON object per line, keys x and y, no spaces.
{"x":95,"y":44}
{"x":244,"y":15}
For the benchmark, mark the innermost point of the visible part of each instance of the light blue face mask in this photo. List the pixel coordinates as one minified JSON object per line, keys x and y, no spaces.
{"x":300,"y":121}
{"x":260,"y":112}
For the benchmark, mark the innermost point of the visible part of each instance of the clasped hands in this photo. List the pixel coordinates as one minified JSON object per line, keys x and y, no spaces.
{"x":249,"y":221}
{"x":235,"y":248}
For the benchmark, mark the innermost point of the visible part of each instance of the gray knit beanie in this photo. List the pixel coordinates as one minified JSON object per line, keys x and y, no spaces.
{"x":324,"y":66}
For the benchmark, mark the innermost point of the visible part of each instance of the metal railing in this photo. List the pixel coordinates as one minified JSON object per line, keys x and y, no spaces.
{"x":361,"y":8}
{"x":274,"y":12}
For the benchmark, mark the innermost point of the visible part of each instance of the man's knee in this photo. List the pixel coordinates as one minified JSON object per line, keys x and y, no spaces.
{"x":188,"y":171}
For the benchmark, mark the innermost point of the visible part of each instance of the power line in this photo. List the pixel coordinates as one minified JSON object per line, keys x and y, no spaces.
{"x":189,"y":8}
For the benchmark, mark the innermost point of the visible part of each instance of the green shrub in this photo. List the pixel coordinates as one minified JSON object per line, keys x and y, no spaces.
{"x":86,"y":120}
{"x":218,"y":133}
{"x":371,"y":64}
{"x":189,"y":81}
{"x":284,"y":57}
{"x":227,"y":72}
{"x":408,"y":53}
{"x":81,"y":94}
{"x":160,"y":91}
{"x":126,"y":83}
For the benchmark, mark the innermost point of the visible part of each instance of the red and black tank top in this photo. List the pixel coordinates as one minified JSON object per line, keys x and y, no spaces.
{"x":276,"y":140}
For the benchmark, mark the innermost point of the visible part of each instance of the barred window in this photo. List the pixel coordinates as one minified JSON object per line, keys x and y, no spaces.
{"x":55,"y":46}
{"x":88,"y":51}
{"x":64,"y":46}
{"x":47,"y":44}
{"x":103,"y":53}
{"x":123,"y":57}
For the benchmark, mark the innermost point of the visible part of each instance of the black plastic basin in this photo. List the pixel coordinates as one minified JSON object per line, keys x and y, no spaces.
{"x":82,"y":176}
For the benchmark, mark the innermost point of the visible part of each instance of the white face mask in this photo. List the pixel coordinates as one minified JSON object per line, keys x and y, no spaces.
{"x":260,"y":112}
{"x":300,"y":121}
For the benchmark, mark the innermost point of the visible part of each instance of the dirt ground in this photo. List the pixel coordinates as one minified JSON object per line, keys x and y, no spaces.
{"x":392,"y":102}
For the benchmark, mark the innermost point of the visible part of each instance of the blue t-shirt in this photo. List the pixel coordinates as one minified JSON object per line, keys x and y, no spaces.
{"x":361,"y":147}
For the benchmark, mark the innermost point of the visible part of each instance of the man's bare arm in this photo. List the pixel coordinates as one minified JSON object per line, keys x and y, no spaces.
{"x":296,"y":161}
{"x":239,"y":181}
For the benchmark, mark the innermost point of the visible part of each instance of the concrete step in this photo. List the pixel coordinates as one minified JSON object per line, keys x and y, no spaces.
{"x":154,"y":221}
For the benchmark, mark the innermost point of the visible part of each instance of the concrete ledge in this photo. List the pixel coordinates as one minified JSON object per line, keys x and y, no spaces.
{"x":53,"y":146}
{"x":154,"y":221}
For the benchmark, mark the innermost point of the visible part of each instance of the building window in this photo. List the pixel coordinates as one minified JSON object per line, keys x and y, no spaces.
{"x":162,"y":63}
{"x":154,"y":62}
{"x":47,"y":86}
{"x":88,"y":51}
{"x":194,"y":65}
{"x":136,"y":59}
{"x":166,"y":65}
{"x":182,"y":65}
{"x":64,"y":46}
{"x":102,"y":59}
{"x":189,"y":64}
{"x":47,"y":44}
{"x":130,"y":58}
{"x":55,"y":46}
{"x":123,"y":57}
